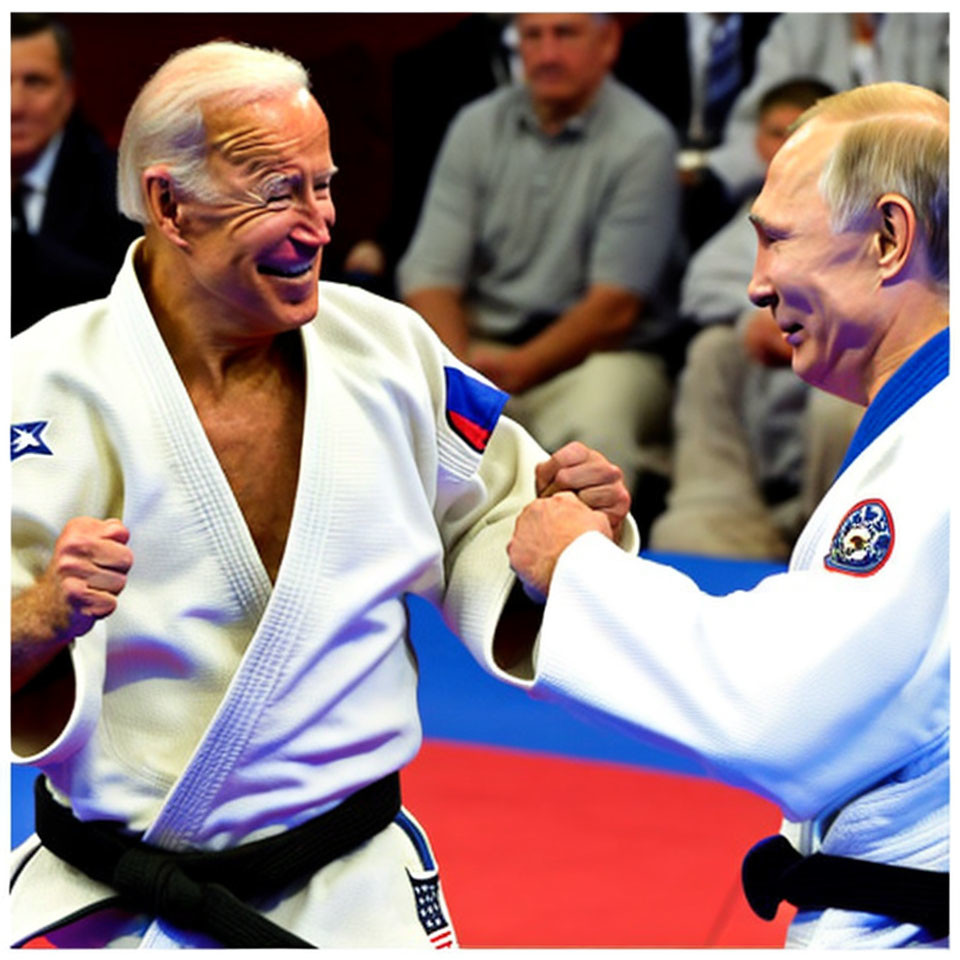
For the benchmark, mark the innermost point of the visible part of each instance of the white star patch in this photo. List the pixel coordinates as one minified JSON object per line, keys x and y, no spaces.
{"x":26,"y":438}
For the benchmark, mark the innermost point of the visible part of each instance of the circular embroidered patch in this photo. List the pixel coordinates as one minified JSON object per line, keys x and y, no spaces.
{"x":863,"y":541}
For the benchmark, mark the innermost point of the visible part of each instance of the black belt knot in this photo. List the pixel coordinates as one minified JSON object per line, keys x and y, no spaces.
{"x":201,"y":890}
{"x":773,"y":871}
{"x":158,"y":882}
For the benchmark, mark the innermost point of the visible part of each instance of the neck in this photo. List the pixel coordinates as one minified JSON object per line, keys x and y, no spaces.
{"x":904,"y":338}
{"x":552,"y":115}
{"x":206,"y":348}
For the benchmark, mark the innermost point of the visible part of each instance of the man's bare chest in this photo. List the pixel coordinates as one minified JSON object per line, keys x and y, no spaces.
{"x":257,"y":443}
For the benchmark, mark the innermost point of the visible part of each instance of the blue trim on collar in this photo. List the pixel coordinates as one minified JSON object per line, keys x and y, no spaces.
{"x":917,"y":377}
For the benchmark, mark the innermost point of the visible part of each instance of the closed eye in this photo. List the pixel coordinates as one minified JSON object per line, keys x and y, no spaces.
{"x":766,"y":233}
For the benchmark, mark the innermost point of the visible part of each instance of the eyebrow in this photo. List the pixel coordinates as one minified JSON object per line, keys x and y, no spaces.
{"x":271,"y":176}
{"x":767,"y":228}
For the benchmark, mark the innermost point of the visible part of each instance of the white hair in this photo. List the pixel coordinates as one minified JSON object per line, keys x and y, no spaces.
{"x":165,"y":125}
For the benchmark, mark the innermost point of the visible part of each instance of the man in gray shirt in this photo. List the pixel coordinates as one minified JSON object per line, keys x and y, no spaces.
{"x":549,"y":221}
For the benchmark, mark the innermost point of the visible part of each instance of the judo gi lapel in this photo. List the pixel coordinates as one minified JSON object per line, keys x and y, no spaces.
{"x":917,"y":377}
{"x":277,"y":608}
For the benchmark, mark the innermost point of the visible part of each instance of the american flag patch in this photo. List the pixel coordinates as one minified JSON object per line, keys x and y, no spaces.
{"x":430,"y":910}
{"x":473,"y":407}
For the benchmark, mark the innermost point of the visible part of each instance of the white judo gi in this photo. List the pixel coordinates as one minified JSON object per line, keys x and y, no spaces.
{"x":824,"y":688}
{"x":213,"y":707}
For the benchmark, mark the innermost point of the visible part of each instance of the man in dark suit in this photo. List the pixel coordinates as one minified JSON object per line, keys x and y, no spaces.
{"x":68,"y":238}
{"x":691,"y":66}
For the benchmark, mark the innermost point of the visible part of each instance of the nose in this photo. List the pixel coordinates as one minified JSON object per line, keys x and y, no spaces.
{"x":316,"y":220}
{"x":761,"y":297}
{"x":760,"y":290}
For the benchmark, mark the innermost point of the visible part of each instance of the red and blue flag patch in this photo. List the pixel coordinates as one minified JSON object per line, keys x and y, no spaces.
{"x":473,"y":407}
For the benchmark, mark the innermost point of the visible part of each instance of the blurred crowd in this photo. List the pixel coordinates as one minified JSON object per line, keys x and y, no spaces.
{"x":568,"y":211}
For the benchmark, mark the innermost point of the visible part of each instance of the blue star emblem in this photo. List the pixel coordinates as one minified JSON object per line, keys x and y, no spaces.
{"x":26,"y":438}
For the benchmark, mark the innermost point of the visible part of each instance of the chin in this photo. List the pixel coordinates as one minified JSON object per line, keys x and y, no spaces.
{"x":301,"y":313}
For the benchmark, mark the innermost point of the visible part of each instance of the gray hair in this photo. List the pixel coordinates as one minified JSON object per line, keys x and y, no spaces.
{"x":897,"y":141}
{"x":165,"y":125}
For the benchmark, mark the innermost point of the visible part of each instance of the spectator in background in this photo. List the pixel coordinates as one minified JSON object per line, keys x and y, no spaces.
{"x":755,"y":448}
{"x":843,"y":50}
{"x":68,"y":238}
{"x":691,"y":67}
{"x":546,"y":230}
{"x":429,"y":85}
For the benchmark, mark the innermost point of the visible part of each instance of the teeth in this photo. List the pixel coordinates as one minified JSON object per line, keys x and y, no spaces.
{"x":285,"y":272}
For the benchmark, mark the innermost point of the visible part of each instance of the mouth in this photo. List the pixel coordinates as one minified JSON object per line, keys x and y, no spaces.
{"x":791,"y":331}
{"x":290,"y":271}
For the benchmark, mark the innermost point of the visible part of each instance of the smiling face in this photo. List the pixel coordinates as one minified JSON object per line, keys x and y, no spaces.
{"x":819,"y":284}
{"x":253,"y":255}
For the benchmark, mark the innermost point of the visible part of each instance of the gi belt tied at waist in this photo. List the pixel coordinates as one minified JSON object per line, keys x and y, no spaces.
{"x":774,"y":871}
{"x":203,"y":891}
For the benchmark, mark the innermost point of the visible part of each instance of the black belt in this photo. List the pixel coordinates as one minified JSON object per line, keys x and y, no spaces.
{"x":774,"y":871}
{"x":203,"y":891}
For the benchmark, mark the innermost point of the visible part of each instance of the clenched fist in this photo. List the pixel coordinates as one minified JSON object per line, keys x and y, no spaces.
{"x":596,"y":481}
{"x":544,"y":529}
{"x":86,"y":574}
{"x":90,"y":564}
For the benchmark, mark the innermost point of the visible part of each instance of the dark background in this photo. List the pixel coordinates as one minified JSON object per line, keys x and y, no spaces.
{"x":349,"y":56}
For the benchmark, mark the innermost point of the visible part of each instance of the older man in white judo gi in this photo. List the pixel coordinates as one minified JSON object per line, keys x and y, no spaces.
{"x":226,"y":477}
{"x":824,"y":688}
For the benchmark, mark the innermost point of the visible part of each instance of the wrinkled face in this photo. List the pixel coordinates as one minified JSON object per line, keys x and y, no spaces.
{"x":565,"y":56}
{"x":41,"y":96}
{"x":255,"y":253}
{"x":820,"y":285}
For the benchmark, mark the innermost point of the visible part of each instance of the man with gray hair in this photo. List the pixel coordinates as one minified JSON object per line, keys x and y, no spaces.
{"x":545,"y":239}
{"x":226,"y":477}
{"x":825,"y":688}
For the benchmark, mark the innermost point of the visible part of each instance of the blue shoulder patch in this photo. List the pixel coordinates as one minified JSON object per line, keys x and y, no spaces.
{"x":473,"y":407}
{"x":26,"y":438}
{"x":863,"y":541}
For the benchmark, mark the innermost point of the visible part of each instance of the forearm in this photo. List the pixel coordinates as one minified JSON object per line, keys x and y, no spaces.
{"x":40,"y":623}
{"x":600,"y":321}
{"x":442,"y":308}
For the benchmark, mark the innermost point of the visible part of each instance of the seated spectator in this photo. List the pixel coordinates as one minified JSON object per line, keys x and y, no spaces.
{"x":548,"y":224}
{"x":68,"y":239}
{"x":755,"y":447}
{"x":429,"y":84}
{"x":843,"y":50}
{"x":691,"y":67}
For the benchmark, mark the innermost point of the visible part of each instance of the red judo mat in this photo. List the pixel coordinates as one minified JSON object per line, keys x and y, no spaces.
{"x":544,"y":851}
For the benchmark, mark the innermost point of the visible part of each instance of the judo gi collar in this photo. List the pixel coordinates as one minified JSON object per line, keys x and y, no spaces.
{"x":916,"y":378}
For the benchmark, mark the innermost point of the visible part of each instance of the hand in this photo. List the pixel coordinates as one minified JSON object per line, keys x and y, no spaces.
{"x":366,"y":257}
{"x":86,"y":574}
{"x":500,"y":364}
{"x":591,"y":476}
{"x":89,"y":570}
{"x":544,"y":529}
{"x":763,"y":340}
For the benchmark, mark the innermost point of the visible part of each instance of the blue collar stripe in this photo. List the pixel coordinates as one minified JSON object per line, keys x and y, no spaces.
{"x":916,"y":378}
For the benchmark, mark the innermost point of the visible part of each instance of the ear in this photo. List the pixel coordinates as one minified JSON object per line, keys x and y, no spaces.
{"x":613,"y":38}
{"x":163,"y":204}
{"x":896,"y":234}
